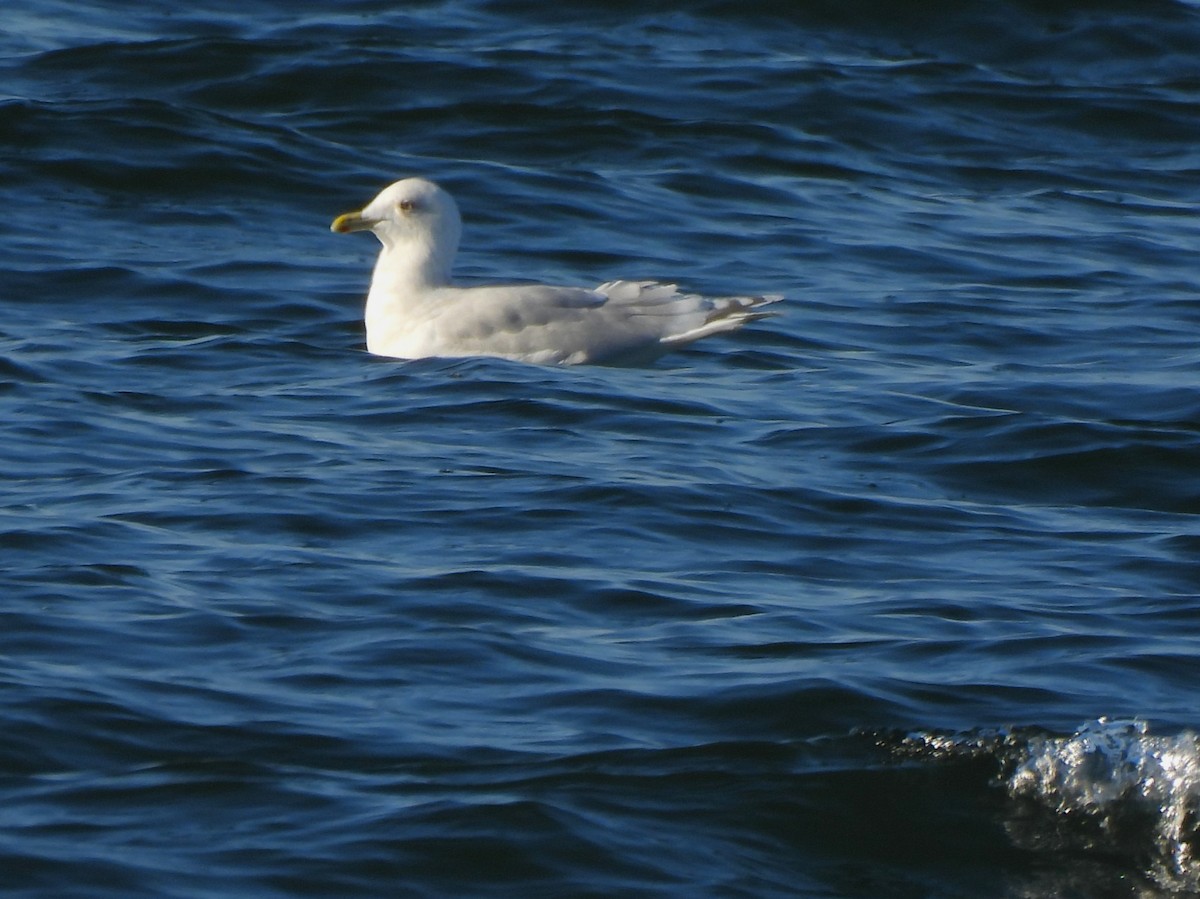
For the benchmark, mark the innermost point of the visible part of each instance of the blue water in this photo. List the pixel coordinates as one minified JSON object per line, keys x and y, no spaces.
{"x":896,"y":594}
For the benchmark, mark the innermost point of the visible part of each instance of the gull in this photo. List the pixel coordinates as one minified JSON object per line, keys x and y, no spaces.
{"x":414,"y":309}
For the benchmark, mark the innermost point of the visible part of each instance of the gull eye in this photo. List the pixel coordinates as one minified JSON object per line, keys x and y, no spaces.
{"x":406,"y":205}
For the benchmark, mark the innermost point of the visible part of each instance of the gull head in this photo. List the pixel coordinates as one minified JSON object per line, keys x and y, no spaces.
{"x":416,"y":221}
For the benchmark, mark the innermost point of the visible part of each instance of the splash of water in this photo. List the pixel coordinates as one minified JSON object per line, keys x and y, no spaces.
{"x":1111,"y":787}
{"x":1121,"y":784}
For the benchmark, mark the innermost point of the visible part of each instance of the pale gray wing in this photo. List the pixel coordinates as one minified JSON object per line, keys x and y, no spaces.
{"x":617,"y":320}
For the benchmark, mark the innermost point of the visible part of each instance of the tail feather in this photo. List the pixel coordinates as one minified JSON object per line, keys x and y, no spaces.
{"x":673,"y":318}
{"x":728,"y":314}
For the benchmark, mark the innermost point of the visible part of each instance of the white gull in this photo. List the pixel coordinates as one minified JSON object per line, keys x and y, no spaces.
{"x":414,"y":310}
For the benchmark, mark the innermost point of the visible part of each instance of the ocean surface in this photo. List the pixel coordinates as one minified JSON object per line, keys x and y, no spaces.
{"x":895,"y":594}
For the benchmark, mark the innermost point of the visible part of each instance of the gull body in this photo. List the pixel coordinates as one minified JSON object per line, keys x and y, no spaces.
{"x":414,"y":309}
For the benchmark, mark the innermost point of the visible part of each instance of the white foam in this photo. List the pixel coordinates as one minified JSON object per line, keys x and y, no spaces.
{"x":1110,"y":788}
{"x":1109,"y":771}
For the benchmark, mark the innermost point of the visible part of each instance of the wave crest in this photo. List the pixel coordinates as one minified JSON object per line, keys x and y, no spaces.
{"x":1111,"y":788}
